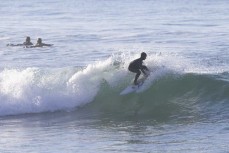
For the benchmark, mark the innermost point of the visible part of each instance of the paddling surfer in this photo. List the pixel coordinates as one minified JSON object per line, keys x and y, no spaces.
{"x":26,"y":43}
{"x":41,"y":44}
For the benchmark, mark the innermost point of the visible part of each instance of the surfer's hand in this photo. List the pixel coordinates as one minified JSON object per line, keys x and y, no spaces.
{"x":147,"y":75}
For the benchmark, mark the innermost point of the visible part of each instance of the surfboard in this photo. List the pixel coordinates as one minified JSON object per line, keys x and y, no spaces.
{"x":133,"y":88}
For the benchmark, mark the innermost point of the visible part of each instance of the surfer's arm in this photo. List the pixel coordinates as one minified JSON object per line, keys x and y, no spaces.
{"x":12,"y":45}
{"x":47,"y":44}
{"x":143,"y":68}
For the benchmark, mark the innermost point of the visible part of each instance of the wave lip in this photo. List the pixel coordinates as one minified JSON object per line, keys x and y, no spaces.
{"x":36,"y":90}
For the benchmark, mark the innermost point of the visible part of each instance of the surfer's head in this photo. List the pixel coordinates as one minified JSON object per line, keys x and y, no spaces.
{"x":27,"y":39}
{"x":143,"y":55}
{"x":39,"y":41}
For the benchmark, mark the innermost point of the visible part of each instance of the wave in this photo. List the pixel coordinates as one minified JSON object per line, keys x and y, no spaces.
{"x":172,"y":95}
{"x":171,"y":90}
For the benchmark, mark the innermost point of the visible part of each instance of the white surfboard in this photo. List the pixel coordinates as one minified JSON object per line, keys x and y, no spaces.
{"x":133,"y":88}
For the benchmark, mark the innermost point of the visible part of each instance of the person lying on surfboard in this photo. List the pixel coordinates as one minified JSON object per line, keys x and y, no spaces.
{"x":41,"y":44}
{"x":26,"y":43}
{"x":136,"y":65}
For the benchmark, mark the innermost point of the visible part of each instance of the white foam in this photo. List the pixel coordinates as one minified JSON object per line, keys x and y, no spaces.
{"x":38,"y":90}
{"x":86,"y":83}
{"x":32,"y":90}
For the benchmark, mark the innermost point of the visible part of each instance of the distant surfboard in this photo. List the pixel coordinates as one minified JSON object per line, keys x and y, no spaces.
{"x":134,"y":88}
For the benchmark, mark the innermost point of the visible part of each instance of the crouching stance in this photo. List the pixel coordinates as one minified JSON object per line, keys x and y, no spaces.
{"x":136,"y":67}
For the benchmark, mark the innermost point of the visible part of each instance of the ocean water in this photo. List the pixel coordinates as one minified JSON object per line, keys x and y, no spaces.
{"x":66,"y":98}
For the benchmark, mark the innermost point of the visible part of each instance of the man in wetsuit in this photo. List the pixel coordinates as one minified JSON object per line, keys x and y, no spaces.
{"x":136,"y":65}
{"x":26,"y":43}
{"x":41,"y":44}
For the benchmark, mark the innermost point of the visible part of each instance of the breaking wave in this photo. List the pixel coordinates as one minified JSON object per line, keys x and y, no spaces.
{"x":174,"y":89}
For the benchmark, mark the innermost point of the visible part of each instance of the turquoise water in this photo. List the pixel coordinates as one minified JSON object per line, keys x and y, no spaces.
{"x":66,"y":98}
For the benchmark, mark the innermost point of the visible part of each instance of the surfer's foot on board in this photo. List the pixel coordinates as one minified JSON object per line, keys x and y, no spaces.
{"x":135,"y":82}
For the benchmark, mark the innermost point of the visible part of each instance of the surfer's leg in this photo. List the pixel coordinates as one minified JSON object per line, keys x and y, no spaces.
{"x":137,"y":76}
{"x":138,"y":73}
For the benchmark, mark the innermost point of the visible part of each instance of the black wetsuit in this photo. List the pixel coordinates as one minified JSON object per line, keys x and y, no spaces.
{"x":27,"y":43}
{"x":24,"y":44}
{"x":135,"y":67}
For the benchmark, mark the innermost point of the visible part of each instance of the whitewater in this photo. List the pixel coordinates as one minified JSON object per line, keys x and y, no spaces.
{"x":66,"y":98}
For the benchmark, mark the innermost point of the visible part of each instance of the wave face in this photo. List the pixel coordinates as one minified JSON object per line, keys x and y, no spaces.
{"x":171,"y":96}
{"x":171,"y":90}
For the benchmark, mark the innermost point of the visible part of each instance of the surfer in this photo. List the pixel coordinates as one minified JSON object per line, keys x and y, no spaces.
{"x":26,"y":43}
{"x":40,"y":44}
{"x":136,"y":65}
